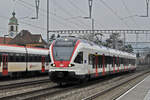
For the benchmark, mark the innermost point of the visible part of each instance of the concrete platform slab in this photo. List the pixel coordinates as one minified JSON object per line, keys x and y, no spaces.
{"x":141,"y":91}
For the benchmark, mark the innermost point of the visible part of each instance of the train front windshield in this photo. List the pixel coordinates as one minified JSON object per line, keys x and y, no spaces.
{"x":63,"y":49}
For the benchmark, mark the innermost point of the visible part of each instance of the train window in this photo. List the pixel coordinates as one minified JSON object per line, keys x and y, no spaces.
{"x":79,"y":58}
{"x":110,"y":60}
{"x":90,"y":59}
{"x":48,"y":57}
{"x":35,"y":59}
{"x":118,"y":62}
{"x":121,"y":60}
{"x":22,"y":58}
{"x":115,"y":60}
{"x":0,"y":58}
{"x":100,"y":61}
{"x":133,"y":61}
{"x":39,"y":58}
{"x":126,"y":62}
{"x":113,"y":63}
{"x":93,"y":61}
{"x":106,"y":60}
{"x":30,"y":58}
{"x":17,"y":58}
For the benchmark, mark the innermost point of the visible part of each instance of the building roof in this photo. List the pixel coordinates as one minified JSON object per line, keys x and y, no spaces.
{"x":25,"y":37}
{"x":6,"y":41}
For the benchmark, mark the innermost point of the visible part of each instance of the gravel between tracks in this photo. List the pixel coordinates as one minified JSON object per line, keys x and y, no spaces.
{"x":82,"y":92}
{"x":8,"y":82}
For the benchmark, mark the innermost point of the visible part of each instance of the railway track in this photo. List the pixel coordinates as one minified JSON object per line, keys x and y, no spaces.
{"x":53,"y":90}
{"x":93,"y":88}
{"x":21,"y":84}
{"x":50,"y":91}
{"x":91,"y":97}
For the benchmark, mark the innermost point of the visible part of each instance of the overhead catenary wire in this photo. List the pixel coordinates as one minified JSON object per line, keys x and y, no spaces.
{"x":31,"y":7}
{"x":82,"y":11}
{"x":29,"y":18}
{"x":68,"y":12}
{"x":53,"y":14}
{"x":115,"y":13}
{"x":129,"y":12}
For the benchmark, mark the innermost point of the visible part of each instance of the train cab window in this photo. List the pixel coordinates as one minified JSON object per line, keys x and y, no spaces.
{"x":79,"y":58}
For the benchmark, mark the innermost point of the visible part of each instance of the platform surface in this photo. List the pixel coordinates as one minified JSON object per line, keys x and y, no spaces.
{"x":141,"y":91}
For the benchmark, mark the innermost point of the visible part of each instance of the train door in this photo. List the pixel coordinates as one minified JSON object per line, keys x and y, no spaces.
{"x":96,"y":64}
{"x":4,"y":64}
{"x":118,"y":64}
{"x":103,"y":73}
{"x":43,"y":63}
{"x":114,"y":59}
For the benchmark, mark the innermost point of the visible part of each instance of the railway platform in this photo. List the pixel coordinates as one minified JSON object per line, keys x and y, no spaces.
{"x":141,"y":91}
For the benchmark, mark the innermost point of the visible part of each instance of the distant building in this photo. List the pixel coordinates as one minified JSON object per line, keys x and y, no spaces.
{"x":5,"y":40}
{"x":25,"y":38}
{"x":13,"y":26}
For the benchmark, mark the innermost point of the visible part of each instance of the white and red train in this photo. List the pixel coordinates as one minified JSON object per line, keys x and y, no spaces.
{"x":77,"y":59}
{"x":18,"y":60}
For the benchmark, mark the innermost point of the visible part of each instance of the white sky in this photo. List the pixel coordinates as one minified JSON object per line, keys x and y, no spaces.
{"x":67,"y":14}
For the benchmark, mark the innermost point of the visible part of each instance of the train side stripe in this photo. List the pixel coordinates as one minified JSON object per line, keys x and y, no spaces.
{"x":52,"y":51}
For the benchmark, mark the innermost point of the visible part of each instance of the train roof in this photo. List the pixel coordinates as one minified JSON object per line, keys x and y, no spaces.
{"x":110,"y":50}
{"x":101,"y":48}
{"x":22,"y":49}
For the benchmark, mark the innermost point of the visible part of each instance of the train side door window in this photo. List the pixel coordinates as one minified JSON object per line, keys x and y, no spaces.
{"x":94,"y":61}
{"x":48,"y":58}
{"x":90,"y":59}
{"x":113,"y":64}
{"x":0,"y":59}
{"x":118,"y":61}
{"x":79,"y":58}
{"x":100,"y":61}
{"x":106,"y":60}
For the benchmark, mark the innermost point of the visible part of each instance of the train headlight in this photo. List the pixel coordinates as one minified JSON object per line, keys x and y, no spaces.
{"x":53,"y":65}
{"x":70,"y":65}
